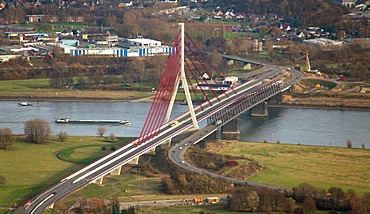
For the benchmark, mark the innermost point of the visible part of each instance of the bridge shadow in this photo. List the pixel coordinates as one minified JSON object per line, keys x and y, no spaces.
{"x":251,"y":127}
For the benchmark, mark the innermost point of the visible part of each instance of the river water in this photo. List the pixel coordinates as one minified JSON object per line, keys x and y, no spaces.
{"x":288,"y":125}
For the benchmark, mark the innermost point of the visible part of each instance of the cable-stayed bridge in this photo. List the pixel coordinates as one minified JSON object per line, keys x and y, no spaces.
{"x":219,"y":102}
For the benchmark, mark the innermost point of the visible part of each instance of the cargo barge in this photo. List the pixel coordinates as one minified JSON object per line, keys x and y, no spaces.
{"x":67,"y":120}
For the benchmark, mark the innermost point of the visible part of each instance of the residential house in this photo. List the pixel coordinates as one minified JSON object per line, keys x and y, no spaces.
{"x":42,"y":18}
{"x":347,"y":3}
{"x":240,"y":16}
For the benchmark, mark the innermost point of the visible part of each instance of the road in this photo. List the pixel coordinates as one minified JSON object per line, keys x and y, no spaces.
{"x":176,"y":153}
{"x":129,"y":152}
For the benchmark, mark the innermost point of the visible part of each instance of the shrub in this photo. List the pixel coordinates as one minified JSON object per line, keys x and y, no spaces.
{"x":6,"y":138}
{"x":211,"y":165}
{"x":38,"y":130}
{"x":231,"y":163}
{"x":101,"y":131}
{"x":349,"y":143}
{"x":112,"y":137}
{"x":62,"y":136}
{"x":103,"y":148}
{"x":113,"y":148}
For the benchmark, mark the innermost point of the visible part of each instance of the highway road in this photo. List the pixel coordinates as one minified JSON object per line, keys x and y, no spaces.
{"x":129,"y":152}
{"x":176,"y":153}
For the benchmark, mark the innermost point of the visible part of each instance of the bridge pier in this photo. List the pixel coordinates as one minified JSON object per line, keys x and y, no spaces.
{"x":99,"y":181}
{"x":134,"y":161}
{"x":231,"y":130}
{"x":117,"y":171}
{"x":166,"y":144}
{"x":230,"y":62}
{"x":260,"y":110}
{"x":276,"y":99}
{"x":247,"y":66}
{"x":214,"y":137}
{"x":202,"y":144}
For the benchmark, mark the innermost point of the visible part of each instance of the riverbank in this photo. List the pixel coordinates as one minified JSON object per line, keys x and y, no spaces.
{"x":34,"y":91}
{"x":321,"y":102}
{"x":326,"y":102}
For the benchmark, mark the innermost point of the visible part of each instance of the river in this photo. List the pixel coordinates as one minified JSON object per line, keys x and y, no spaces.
{"x":288,"y":125}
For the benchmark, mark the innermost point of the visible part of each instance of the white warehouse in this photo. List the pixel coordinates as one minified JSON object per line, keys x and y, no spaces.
{"x":144,"y":42}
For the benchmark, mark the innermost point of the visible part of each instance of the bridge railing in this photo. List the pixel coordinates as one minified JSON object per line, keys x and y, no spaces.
{"x":244,"y":103}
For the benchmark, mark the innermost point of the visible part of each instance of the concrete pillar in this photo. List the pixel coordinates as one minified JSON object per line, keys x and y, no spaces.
{"x":134,"y":161}
{"x":231,"y":130}
{"x":166,"y":144}
{"x":202,"y":144}
{"x":214,"y":137}
{"x":260,"y":110}
{"x":248,"y":66}
{"x":276,"y":99}
{"x":230,"y":62}
{"x":99,"y":181}
{"x":117,"y":171}
{"x":151,"y":151}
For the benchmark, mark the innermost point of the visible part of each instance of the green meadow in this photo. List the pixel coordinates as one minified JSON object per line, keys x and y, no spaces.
{"x":29,"y":168}
{"x":323,"y":167}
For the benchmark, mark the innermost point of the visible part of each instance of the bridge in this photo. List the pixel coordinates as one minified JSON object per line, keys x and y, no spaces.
{"x":244,"y":60}
{"x":184,"y":70}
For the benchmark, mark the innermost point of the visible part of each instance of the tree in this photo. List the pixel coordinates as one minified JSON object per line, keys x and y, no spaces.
{"x":61,"y":76}
{"x":14,"y":15}
{"x":6,"y":138}
{"x":37,"y":130}
{"x":101,"y":131}
{"x":115,"y":205}
{"x":112,"y":137}
{"x":62,"y":136}
{"x":349,"y":143}
{"x":211,"y":166}
{"x":130,"y":210}
{"x":304,"y":190}
{"x":244,"y":200}
{"x":336,"y":193}
{"x":309,"y":205}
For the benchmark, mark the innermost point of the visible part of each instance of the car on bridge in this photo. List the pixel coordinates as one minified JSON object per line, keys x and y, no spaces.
{"x":174,"y":123}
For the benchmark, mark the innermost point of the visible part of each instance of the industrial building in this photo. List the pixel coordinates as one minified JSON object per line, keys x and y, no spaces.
{"x":130,"y":48}
{"x":121,"y":52}
{"x":324,"y":43}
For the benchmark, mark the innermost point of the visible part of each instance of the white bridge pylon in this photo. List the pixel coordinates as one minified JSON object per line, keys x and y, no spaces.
{"x":184,"y":82}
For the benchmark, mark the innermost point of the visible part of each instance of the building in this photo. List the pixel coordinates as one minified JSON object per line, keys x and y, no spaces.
{"x":42,"y":18}
{"x":347,"y":3}
{"x":70,"y":42}
{"x":121,"y":52}
{"x":327,"y":44}
{"x":141,"y":42}
{"x":53,"y":18}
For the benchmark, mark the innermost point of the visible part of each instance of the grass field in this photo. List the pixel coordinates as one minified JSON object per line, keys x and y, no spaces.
{"x":313,"y":82}
{"x":39,"y":89}
{"x":219,"y":209}
{"x":323,"y":167}
{"x":230,"y":35}
{"x":58,"y":27}
{"x":29,"y":168}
